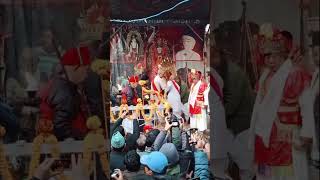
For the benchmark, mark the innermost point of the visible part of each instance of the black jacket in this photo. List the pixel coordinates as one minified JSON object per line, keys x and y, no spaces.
{"x":131,"y":92}
{"x":117,"y":161}
{"x":65,"y":101}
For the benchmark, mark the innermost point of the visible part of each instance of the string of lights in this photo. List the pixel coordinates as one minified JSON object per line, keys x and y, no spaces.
{"x":152,"y":16}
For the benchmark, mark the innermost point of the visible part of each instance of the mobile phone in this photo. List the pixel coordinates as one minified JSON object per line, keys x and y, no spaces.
{"x":193,"y":130}
{"x":57,"y":165}
{"x":63,"y":163}
{"x":115,"y":174}
{"x":175,"y":124}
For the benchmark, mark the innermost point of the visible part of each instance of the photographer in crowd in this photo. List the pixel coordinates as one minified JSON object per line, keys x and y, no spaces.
{"x":173,"y":152}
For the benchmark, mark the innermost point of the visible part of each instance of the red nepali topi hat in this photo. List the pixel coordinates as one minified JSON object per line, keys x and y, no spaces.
{"x":133,"y":79}
{"x":76,"y":56}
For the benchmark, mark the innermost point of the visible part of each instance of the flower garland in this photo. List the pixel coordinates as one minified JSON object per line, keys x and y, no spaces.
{"x":140,"y":109}
{"x":166,"y":104}
{"x":123,"y":107}
{"x":153,"y":110}
{"x":95,"y":141}
{"x":145,"y":90}
{"x":112,"y":116}
{"x":44,"y":136}
{"x":4,"y":165}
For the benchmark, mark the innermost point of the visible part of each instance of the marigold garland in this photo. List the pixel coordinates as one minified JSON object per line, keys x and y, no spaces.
{"x":112,"y":116}
{"x":4,"y":165}
{"x":145,"y":90}
{"x":167,"y":106}
{"x":139,"y":108}
{"x":44,"y":136}
{"x":95,"y":141}
{"x":123,"y":107}
{"x":153,"y":107}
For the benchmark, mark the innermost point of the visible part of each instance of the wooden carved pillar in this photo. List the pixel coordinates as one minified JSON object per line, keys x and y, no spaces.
{"x":3,"y":38}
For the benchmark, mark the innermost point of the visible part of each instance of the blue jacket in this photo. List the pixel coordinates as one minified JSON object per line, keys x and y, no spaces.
{"x":201,"y":169}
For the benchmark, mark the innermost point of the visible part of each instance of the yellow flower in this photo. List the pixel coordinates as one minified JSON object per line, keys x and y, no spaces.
{"x":100,"y":66}
{"x":93,"y":123}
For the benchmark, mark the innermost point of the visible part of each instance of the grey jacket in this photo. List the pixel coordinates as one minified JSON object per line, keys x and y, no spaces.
{"x":179,"y":139}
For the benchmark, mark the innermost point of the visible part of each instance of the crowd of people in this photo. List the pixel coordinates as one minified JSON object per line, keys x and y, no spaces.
{"x":163,"y":152}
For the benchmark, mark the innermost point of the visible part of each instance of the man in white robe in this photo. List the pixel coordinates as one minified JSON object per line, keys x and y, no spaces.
{"x":197,"y":107}
{"x":282,"y":121}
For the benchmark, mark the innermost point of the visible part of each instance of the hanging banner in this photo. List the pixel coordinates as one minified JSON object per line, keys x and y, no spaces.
{"x":149,"y":45}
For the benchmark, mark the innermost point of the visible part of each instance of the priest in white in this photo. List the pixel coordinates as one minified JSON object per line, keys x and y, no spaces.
{"x":282,"y":124}
{"x":173,"y":97}
{"x":197,"y":107}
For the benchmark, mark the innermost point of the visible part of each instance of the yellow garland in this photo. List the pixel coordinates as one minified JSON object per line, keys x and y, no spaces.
{"x":147,"y":91}
{"x":4,"y":165}
{"x":139,"y":108}
{"x":143,"y":83}
{"x":100,"y":66}
{"x":43,"y":138}
{"x":153,"y":109}
{"x":123,"y":107}
{"x":166,"y":105}
{"x":112,"y":116}
{"x":95,"y":141}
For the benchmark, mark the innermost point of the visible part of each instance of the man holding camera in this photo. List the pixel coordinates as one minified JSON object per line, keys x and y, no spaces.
{"x":197,"y":104}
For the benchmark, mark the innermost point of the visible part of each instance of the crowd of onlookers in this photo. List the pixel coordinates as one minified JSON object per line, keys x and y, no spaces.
{"x":164,"y":151}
